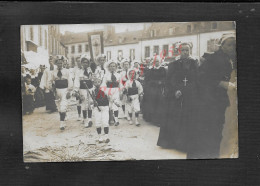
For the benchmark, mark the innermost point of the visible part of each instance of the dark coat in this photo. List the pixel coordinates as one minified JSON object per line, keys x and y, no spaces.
{"x":175,"y":132}
{"x":213,"y":101}
{"x":153,"y":101}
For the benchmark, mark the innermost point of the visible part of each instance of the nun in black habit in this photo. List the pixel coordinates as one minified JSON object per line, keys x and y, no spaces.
{"x":214,"y":81}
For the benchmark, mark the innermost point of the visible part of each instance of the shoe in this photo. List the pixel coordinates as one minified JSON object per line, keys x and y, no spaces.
{"x":90,"y":123}
{"x":117,"y":123}
{"x":107,"y":140}
{"x":100,"y":140}
{"x":62,"y":126}
{"x":86,"y":124}
{"x":131,"y":122}
{"x":137,"y":123}
{"x":79,"y":118}
{"x":128,"y":118}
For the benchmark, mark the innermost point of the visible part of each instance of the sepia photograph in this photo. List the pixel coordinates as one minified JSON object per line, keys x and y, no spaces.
{"x":129,"y":91}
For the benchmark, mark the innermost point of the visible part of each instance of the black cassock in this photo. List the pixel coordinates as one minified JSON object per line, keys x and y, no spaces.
{"x":213,"y":101}
{"x":153,"y":101}
{"x":180,"y":112}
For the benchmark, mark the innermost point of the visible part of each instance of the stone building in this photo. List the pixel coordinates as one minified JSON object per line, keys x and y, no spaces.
{"x":40,"y":41}
{"x":155,"y":39}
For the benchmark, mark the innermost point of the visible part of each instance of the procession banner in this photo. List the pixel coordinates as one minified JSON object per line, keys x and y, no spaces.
{"x":96,"y":44}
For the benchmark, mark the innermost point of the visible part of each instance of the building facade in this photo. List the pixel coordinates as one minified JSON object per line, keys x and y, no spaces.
{"x":40,"y":41}
{"x":155,"y":39}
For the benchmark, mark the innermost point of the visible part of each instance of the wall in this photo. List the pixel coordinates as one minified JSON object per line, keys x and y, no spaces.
{"x":126,"y":50}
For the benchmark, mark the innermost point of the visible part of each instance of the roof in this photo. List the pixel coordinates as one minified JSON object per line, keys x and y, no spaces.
{"x":122,"y":38}
{"x":71,"y":37}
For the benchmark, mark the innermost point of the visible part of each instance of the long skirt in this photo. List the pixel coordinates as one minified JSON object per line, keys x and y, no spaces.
{"x":39,"y":98}
{"x":50,"y":101}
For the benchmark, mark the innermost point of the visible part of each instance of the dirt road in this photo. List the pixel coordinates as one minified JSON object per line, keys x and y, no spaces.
{"x":45,"y":142}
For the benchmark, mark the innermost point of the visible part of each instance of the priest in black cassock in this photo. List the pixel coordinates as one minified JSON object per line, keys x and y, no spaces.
{"x":181,"y":96}
{"x":214,"y":82}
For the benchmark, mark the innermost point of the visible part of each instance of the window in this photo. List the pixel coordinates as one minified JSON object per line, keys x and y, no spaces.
{"x":108,"y":55}
{"x":80,"y":48}
{"x":86,"y":48}
{"x":156,"y":50}
{"x":214,"y":25}
{"x":120,"y":55}
{"x":165,"y":50}
{"x":72,"y":60}
{"x":45,"y":39}
{"x":40,"y":35}
{"x":170,"y":31}
{"x":73,"y":49}
{"x":31,"y":33}
{"x":153,"y":33}
{"x":53,"y":44}
{"x":195,"y":27}
{"x":188,"y":28}
{"x":132,"y":54}
{"x":147,"y":51}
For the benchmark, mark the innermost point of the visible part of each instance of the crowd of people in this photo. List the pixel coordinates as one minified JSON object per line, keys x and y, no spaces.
{"x":187,"y":99}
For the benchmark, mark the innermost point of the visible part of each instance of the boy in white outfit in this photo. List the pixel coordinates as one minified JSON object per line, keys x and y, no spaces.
{"x":101,"y":110}
{"x":111,"y":81}
{"x":134,"y":90}
{"x":62,"y":81}
{"x":83,"y":84}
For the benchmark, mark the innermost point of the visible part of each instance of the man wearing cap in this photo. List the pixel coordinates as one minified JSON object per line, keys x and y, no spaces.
{"x":62,"y":82}
{"x":83,"y":83}
{"x":48,"y":91}
{"x":214,"y":82}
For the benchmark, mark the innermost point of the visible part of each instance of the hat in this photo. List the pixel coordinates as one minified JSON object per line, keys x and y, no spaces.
{"x":186,"y":43}
{"x":101,"y":56}
{"x":59,"y":57}
{"x":133,"y":63}
{"x":225,"y":37}
{"x":85,"y":56}
{"x":106,"y":65}
{"x":130,"y":70}
{"x":123,"y":62}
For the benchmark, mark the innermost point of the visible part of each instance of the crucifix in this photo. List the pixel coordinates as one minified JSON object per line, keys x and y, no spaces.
{"x":185,"y":81}
{"x":96,"y":46}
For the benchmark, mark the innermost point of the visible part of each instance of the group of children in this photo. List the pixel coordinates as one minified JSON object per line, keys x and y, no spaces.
{"x":99,"y":90}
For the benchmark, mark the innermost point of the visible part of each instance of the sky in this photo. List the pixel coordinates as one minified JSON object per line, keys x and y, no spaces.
{"x":119,"y":27}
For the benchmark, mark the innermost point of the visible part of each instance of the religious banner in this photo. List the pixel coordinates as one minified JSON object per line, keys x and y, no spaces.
{"x":96,"y":44}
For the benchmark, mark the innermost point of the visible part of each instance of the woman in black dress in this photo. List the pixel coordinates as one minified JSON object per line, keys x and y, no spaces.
{"x":214,"y":83}
{"x":181,"y":93}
